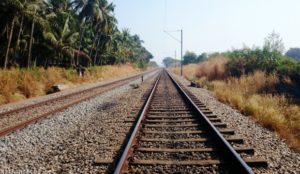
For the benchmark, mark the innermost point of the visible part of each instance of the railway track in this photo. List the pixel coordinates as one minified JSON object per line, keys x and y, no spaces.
{"x":176,"y":133}
{"x":21,"y":117}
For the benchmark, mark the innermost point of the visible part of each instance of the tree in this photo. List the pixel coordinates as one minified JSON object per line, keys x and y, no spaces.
{"x":11,"y":8}
{"x":293,"y":53}
{"x":169,"y":61}
{"x":153,"y":64}
{"x":272,"y":51}
{"x":57,"y":31}
{"x":274,"y":43}
{"x":202,"y":57}
{"x":189,"y":57}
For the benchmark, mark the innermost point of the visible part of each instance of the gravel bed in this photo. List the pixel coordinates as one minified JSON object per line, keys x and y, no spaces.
{"x":171,"y":129}
{"x":168,"y":136}
{"x":281,"y":158}
{"x":22,"y":103}
{"x":139,"y":169}
{"x":76,"y":139}
{"x":178,"y":156}
{"x":182,"y":145}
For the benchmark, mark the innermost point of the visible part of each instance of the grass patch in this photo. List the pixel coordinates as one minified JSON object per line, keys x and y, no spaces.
{"x":252,"y":95}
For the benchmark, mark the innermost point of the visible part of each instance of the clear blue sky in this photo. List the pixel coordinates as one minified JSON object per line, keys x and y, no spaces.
{"x":208,"y":25}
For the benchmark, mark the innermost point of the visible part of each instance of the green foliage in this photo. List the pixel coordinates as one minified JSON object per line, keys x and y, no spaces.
{"x":246,"y":61}
{"x":202,"y":57}
{"x":268,"y":59}
{"x":191,"y":57}
{"x":141,"y":64}
{"x":65,"y":33}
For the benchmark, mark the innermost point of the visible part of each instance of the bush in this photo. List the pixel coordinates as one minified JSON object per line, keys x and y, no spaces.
{"x":213,"y":68}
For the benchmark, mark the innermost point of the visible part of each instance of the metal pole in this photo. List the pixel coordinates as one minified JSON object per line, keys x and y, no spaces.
{"x":181,"y":52}
{"x":175,"y":55}
{"x":176,"y":63}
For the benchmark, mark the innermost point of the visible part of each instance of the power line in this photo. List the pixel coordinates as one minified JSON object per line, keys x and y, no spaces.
{"x":167,"y":32}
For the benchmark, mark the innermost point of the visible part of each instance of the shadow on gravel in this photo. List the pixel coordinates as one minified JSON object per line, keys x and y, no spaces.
{"x":105,"y":106}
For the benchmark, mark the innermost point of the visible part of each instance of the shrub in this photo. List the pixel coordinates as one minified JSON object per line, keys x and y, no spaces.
{"x":8,"y":84}
{"x":213,"y":68}
{"x":28,"y":85}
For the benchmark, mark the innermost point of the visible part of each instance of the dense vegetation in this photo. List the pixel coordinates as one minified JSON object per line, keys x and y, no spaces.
{"x":65,"y":33}
{"x":269,"y":59}
{"x":258,"y":82}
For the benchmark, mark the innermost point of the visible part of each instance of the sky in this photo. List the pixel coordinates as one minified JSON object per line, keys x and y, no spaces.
{"x":208,"y":25}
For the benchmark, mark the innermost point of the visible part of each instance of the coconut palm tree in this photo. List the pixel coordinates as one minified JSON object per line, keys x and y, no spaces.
{"x":11,"y":8}
{"x":62,"y":30}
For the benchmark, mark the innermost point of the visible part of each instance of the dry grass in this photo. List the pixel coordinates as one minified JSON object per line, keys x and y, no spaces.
{"x":189,"y":71}
{"x":213,"y":68}
{"x":18,"y":84}
{"x":272,"y":111}
{"x":251,"y":95}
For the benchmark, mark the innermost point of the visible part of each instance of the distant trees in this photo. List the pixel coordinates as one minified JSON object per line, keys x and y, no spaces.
{"x":188,"y":58}
{"x":269,"y":58}
{"x":202,"y":57}
{"x":191,"y":57}
{"x":65,"y":33}
{"x":169,"y":61}
{"x":293,"y":53}
{"x":153,"y":64}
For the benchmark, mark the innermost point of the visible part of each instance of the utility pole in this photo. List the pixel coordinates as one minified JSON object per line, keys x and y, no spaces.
{"x":175,"y":55}
{"x":181,"y":44}
{"x":176,"y":65}
{"x":181,"y":51}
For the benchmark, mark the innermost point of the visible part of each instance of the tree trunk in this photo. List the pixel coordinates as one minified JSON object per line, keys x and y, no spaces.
{"x":79,"y":48}
{"x":46,"y":63}
{"x":30,"y":45}
{"x":94,"y":42}
{"x":9,"y":41}
{"x":95,"y":57}
{"x":20,"y":31}
{"x":19,"y":35}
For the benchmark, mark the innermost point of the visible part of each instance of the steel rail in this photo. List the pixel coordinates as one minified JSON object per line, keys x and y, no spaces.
{"x":239,"y":165}
{"x":123,"y":162}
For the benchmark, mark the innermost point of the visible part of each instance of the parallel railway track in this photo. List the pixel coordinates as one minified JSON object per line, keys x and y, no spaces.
{"x":176,"y":133}
{"x":21,"y":117}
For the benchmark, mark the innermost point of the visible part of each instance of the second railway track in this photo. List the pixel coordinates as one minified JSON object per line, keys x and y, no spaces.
{"x":176,"y":133}
{"x":18,"y":118}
